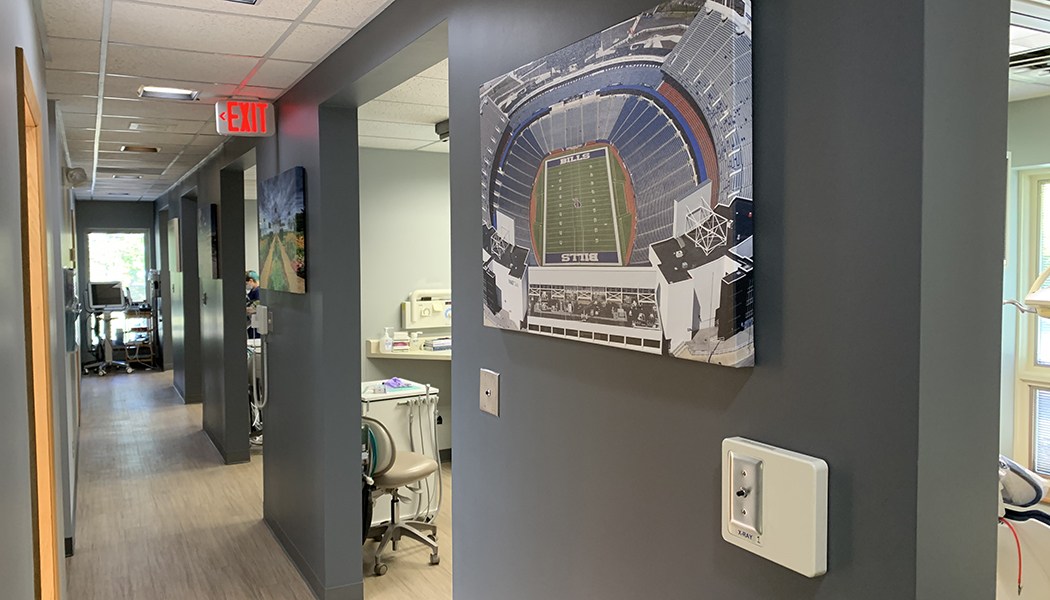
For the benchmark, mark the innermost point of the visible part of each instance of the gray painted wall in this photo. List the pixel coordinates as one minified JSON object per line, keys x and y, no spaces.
{"x":184,"y":289}
{"x":251,"y":233}
{"x":17,"y":28}
{"x":208,"y":338}
{"x":405,"y":246}
{"x":858,"y":106}
{"x":1029,"y":130}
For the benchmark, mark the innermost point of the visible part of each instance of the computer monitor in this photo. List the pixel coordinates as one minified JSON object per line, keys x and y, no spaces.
{"x":107,"y":295}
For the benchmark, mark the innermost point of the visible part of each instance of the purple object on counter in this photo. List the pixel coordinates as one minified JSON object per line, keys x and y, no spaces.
{"x":397,"y":382}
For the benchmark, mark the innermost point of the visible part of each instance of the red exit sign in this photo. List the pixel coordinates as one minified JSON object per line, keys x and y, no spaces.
{"x":248,"y":118}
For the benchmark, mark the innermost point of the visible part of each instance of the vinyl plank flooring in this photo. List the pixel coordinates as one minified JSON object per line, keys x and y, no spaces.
{"x":159,"y":516}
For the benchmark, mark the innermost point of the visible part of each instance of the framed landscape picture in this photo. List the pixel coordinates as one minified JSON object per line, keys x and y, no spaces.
{"x":282,"y":232}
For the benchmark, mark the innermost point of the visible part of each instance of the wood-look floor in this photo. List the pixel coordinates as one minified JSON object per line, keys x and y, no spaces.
{"x":160,"y":517}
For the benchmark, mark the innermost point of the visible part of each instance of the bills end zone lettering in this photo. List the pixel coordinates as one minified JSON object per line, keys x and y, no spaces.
{"x":582,"y":258}
{"x":557,"y":162}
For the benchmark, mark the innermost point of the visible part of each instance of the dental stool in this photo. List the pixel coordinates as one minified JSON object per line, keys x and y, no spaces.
{"x":392,"y":470}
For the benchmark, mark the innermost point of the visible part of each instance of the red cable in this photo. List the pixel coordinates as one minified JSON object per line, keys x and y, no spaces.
{"x":1017,"y":540}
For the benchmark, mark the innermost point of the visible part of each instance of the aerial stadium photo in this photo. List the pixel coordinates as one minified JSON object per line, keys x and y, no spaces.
{"x":620,"y":168}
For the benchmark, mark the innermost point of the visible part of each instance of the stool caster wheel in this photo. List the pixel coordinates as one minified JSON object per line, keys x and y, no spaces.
{"x":101,"y":372}
{"x":379,"y":569}
{"x":435,"y":559}
{"x":130,"y":370}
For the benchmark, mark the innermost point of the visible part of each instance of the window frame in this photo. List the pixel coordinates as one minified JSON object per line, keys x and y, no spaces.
{"x":147,"y":236}
{"x":1029,"y":375}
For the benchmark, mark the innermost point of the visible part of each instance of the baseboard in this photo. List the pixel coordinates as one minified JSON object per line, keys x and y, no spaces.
{"x":446,"y":455}
{"x":230,"y":458}
{"x":69,"y":547}
{"x":354,"y":591}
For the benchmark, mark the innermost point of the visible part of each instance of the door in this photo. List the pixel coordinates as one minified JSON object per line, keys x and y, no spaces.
{"x":37,"y":336}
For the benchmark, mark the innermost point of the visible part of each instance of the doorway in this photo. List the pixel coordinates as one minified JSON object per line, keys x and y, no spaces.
{"x":37,"y":335}
{"x":406,"y":292}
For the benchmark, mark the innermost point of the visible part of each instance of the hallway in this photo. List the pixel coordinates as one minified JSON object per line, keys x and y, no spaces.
{"x":159,"y":516}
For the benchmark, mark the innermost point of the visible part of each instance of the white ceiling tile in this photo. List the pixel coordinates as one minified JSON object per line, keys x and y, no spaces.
{"x":73,"y":55}
{"x":263,"y":93}
{"x":71,"y":82}
{"x":172,"y":142}
{"x":311,"y":43}
{"x":73,"y":18}
{"x":419,"y":90}
{"x":346,"y":13}
{"x":279,"y":73}
{"x":81,"y":135}
{"x":185,"y":29}
{"x":159,"y":109}
{"x":277,"y":9}
{"x":405,"y":131}
{"x":438,"y":71}
{"x":75,"y":104}
{"x":1023,"y":90}
{"x":378,"y":110}
{"x":387,"y":143}
{"x":78,"y":120}
{"x":163,"y":65}
{"x":167,"y":125}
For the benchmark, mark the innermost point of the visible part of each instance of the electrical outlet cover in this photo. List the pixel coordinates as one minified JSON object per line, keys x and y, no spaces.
{"x":489,"y":396}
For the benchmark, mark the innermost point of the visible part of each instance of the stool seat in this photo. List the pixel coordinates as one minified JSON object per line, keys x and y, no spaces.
{"x":408,"y":467}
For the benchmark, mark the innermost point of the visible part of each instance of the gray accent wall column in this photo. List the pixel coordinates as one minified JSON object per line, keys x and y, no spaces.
{"x":186,"y":306}
{"x":311,"y":480}
{"x":964,"y":176}
{"x":223,"y":345}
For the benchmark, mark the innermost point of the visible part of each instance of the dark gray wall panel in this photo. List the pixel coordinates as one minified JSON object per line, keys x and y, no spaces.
{"x":962,"y":268}
{"x":596,"y":447}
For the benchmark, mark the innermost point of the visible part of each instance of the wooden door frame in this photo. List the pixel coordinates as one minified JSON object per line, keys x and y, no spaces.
{"x":33,"y":187}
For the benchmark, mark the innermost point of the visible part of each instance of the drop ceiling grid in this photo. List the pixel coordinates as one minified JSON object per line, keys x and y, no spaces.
{"x":220,"y":48}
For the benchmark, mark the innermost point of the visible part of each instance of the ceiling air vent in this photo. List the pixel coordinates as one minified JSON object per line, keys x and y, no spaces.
{"x":146,"y":149}
{"x":131,"y":170}
{"x":1037,"y":60}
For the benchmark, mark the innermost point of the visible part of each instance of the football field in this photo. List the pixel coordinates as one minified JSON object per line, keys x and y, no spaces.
{"x":580,"y":213}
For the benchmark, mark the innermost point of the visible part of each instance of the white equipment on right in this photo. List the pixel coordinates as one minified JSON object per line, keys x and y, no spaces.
{"x":410,"y":414}
{"x":427,"y":309}
{"x":1024,"y":534}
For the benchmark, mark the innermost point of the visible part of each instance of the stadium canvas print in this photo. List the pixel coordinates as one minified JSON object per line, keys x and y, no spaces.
{"x":282,"y":232}
{"x":617,"y":196}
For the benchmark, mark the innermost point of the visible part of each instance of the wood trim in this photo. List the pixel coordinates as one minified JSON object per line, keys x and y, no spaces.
{"x":37,"y":334}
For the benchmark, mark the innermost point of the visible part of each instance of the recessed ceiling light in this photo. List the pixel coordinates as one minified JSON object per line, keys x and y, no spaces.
{"x":139,"y":149}
{"x":243,"y":1}
{"x":167,"y":93}
{"x":127,"y":177}
{"x":158,"y":127}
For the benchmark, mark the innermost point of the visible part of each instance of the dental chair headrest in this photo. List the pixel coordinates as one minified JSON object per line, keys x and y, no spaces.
{"x":1020,"y":487}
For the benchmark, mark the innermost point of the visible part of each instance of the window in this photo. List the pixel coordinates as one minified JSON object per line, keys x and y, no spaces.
{"x":1042,"y":340}
{"x":120,"y":256}
{"x":1041,"y":431}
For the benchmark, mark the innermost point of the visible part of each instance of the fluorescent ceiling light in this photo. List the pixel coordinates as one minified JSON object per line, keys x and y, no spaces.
{"x":167,"y":93}
{"x":139,"y":149}
{"x":127,"y":177}
{"x":243,"y":1}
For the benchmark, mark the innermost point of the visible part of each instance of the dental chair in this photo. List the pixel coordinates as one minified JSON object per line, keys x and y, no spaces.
{"x":391,"y":470}
{"x":1024,"y":534}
